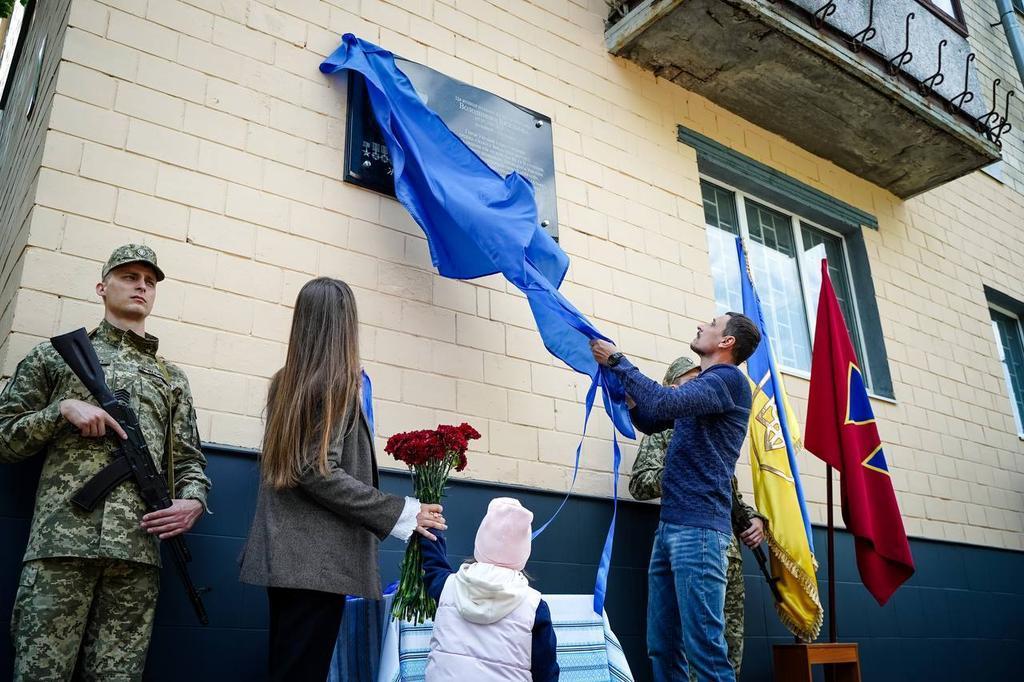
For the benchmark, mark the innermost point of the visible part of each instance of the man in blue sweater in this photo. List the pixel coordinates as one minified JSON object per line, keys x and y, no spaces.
{"x":709,"y":416}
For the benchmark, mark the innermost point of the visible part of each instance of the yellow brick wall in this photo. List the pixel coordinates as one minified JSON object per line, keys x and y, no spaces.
{"x":204,"y":128}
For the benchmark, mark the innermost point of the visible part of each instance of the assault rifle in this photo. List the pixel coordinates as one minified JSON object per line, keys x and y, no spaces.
{"x":132,"y":459}
{"x":741,"y":522}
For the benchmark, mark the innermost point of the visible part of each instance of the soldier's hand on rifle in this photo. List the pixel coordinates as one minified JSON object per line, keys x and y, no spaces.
{"x":90,"y":420}
{"x":175,"y":520}
{"x":753,"y":536}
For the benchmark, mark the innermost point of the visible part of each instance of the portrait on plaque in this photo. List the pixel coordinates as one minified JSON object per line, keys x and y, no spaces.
{"x":508,"y":137}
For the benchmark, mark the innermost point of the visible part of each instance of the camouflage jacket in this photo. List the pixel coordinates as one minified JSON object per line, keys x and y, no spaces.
{"x":645,"y":478}
{"x":31,"y":423}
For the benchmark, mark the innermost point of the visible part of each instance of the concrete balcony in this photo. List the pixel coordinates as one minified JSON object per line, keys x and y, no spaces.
{"x":855,"y":96}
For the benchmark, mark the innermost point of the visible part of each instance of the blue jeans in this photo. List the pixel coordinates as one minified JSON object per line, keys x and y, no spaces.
{"x":686,"y":604}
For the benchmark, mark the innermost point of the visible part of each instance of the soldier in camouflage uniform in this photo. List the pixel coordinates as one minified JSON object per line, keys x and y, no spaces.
{"x":645,"y":484}
{"x":89,"y":581}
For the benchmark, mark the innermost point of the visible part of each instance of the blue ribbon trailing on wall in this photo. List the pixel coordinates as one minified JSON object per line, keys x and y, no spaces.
{"x":479,"y":223}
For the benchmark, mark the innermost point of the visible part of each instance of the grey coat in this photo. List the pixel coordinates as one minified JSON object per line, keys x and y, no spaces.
{"x":324,"y":533}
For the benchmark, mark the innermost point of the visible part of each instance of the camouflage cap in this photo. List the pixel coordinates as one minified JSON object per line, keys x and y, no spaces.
{"x":681,"y":366}
{"x":133,"y":253}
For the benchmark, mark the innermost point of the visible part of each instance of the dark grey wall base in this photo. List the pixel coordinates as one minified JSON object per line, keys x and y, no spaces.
{"x":958,"y":618}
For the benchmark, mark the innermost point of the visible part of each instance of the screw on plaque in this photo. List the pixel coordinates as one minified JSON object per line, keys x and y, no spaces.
{"x":545,"y":223}
{"x":538,"y":123}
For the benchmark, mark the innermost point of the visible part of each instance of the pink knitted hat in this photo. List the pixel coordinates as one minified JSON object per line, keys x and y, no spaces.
{"x":503,"y":538}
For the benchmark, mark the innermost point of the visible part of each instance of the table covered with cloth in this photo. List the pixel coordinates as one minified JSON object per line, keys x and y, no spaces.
{"x":372,"y":647}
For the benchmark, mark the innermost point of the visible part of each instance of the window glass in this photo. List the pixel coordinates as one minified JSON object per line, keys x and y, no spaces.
{"x":719,"y":207}
{"x":817,"y":245}
{"x":10,"y":34}
{"x":722,"y":228}
{"x":1011,"y":354}
{"x":773,"y":264}
{"x":946,"y":6}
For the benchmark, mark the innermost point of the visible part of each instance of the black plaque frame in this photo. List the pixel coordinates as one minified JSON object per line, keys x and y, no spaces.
{"x":462,"y":107}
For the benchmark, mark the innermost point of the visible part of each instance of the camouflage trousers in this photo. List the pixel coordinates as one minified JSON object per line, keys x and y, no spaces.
{"x":734,"y":595}
{"x":87,"y":618}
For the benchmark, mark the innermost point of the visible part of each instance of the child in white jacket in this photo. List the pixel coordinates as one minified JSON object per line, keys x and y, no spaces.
{"x":491,"y":626}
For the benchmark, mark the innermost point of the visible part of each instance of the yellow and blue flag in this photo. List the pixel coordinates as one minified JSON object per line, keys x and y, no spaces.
{"x":774,"y":442}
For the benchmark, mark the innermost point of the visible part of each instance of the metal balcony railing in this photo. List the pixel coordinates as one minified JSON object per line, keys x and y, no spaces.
{"x":884,"y":88}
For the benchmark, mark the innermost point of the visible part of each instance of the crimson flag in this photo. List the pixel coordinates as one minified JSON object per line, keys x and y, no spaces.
{"x":841,"y":430}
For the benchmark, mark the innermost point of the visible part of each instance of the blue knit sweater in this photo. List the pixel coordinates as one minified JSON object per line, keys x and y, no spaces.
{"x":709,"y":417}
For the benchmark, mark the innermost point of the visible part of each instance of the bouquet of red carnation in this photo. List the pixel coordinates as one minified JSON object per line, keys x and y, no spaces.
{"x":430,"y":454}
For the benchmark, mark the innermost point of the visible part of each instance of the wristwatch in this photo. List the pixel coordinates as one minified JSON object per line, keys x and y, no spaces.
{"x":614,"y":358}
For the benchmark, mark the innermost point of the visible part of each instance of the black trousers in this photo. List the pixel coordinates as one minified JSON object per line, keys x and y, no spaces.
{"x":303,"y":629}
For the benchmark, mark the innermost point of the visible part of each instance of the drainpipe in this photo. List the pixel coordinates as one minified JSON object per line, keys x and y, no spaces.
{"x":1008,"y":18}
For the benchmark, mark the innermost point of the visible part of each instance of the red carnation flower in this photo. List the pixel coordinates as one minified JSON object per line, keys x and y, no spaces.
{"x":468,"y":431}
{"x":431,"y":455}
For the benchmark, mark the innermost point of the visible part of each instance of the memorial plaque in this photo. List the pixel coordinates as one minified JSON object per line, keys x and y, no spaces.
{"x":506,"y":136}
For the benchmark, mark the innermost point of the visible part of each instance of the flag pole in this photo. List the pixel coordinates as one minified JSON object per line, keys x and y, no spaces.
{"x":831,"y":557}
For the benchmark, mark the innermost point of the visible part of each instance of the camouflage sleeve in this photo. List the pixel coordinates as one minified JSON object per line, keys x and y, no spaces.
{"x":29,"y":418}
{"x":190,"y":481}
{"x":645,"y":478}
{"x":751,"y":510}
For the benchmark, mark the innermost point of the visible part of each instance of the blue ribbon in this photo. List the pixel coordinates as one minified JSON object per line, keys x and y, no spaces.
{"x":478,"y":223}
{"x":368,"y":402}
{"x":604,"y":565}
{"x":591,"y":394}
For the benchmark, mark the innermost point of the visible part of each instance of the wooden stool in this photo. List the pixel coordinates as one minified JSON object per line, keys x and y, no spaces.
{"x":793,"y":661}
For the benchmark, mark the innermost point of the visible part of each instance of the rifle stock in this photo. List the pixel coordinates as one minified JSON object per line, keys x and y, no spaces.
{"x":132,"y":458}
{"x":78,"y":353}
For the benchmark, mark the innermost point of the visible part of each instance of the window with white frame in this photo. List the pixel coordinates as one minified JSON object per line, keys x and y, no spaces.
{"x":949,"y":11}
{"x":785,"y":253}
{"x":947,"y":7}
{"x":1010,"y":343}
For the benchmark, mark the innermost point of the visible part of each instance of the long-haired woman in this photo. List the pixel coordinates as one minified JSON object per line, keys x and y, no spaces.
{"x":320,"y":516}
